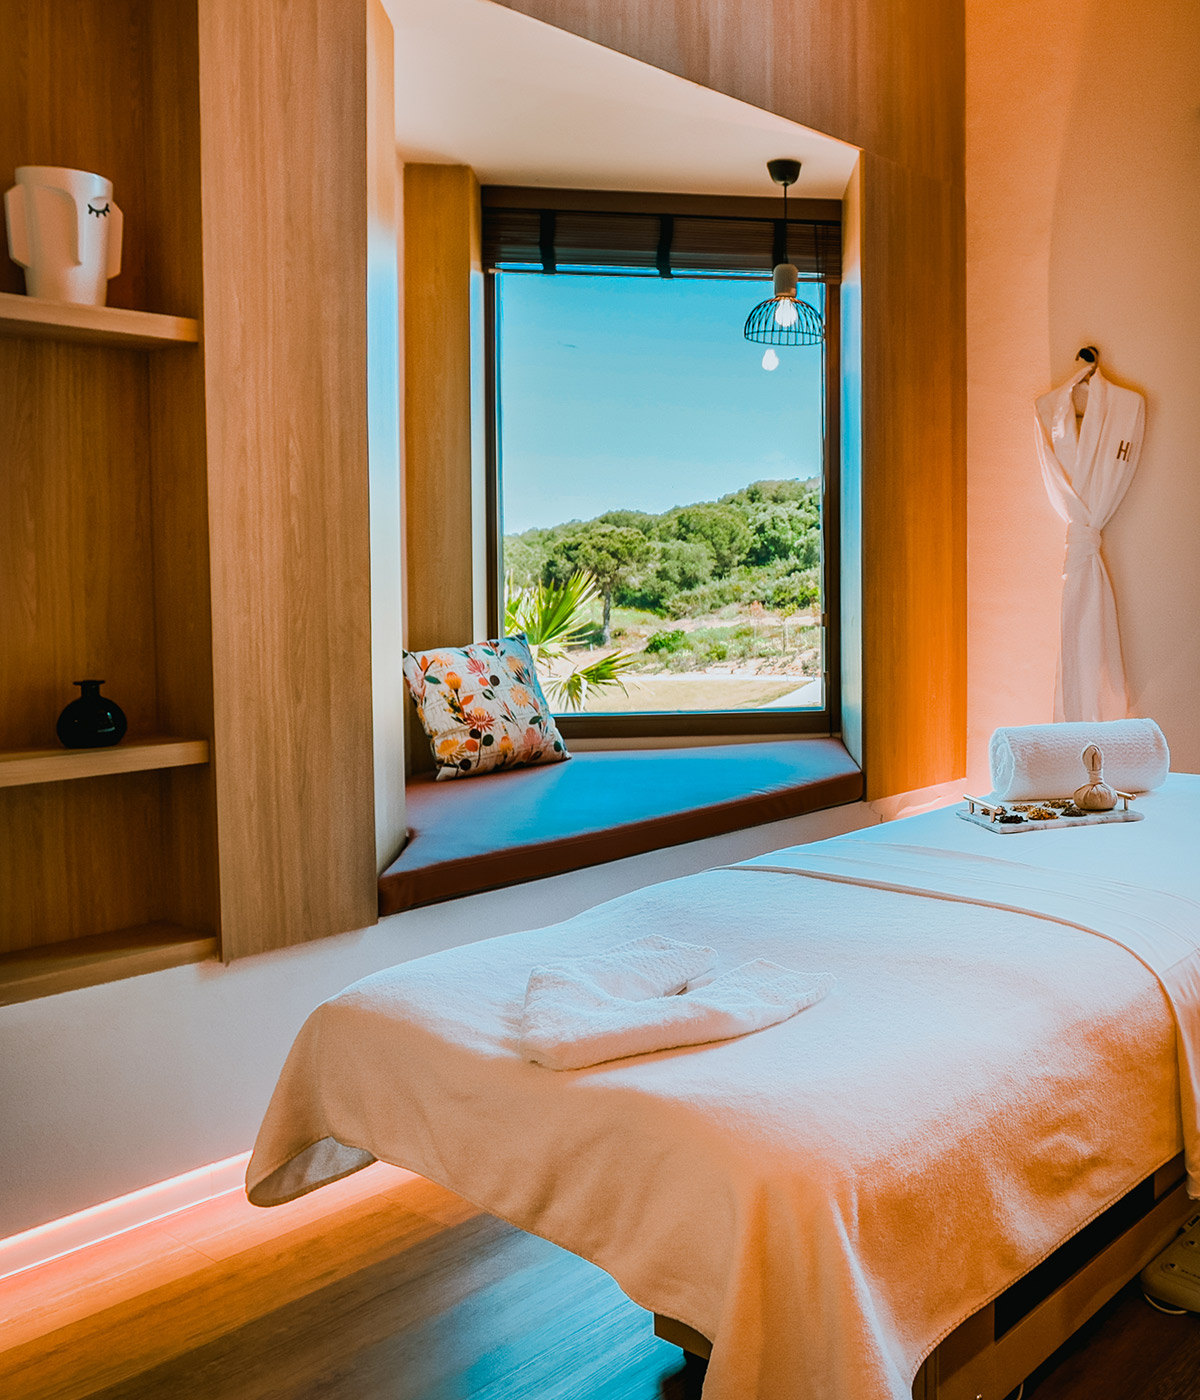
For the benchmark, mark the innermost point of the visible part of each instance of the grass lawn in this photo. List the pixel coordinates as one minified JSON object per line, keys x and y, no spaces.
{"x":691,"y":692}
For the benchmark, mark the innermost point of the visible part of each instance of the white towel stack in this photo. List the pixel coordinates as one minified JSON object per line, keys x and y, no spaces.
{"x":641,"y":997}
{"x":1044,"y":760}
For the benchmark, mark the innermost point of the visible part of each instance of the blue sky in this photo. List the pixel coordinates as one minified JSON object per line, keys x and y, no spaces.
{"x":641,"y":393}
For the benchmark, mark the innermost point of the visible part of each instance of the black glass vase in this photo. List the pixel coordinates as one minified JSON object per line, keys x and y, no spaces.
{"x":91,"y":722}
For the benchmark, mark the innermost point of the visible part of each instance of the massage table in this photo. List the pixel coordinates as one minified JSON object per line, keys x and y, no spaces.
{"x":920,"y":1186}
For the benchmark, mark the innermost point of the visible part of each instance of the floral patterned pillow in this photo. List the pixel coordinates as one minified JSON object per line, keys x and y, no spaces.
{"x":482,"y":707}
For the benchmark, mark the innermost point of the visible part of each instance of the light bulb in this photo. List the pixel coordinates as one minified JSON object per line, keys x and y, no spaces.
{"x":770,"y":359}
{"x":785,"y":312}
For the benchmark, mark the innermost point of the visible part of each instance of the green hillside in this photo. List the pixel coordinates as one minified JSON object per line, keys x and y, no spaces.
{"x":761,"y":545}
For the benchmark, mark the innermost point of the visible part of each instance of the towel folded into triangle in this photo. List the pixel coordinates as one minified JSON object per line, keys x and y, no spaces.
{"x":641,"y":997}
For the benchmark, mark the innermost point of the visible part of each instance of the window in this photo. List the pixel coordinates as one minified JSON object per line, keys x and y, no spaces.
{"x":661,"y":518}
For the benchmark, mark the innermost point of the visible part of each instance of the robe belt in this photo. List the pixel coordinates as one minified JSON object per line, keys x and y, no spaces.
{"x":1083,"y":539}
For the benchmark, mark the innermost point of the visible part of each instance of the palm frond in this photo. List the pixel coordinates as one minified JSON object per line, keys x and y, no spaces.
{"x":552,"y":618}
{"x":572,"y":690}
{"x":551,"y":615}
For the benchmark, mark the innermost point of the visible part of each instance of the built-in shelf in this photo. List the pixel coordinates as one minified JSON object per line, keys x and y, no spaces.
{"x":100,"y":325}
{"x":20,"y":767}
{"x":103,"y":957}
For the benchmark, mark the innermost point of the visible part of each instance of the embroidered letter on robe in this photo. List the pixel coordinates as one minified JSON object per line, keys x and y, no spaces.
{"x":1087,"y":468}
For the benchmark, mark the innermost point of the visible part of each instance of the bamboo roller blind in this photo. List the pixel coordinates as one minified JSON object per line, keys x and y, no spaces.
{"x":554,"y":240}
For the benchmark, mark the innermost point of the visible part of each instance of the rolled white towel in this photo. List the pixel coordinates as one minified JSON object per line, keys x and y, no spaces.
{"x":1044,"y":760}
{"x":632,"y":1000}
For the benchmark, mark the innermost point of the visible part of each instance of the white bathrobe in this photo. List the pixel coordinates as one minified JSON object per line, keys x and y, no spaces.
{"x":1087,"y":469}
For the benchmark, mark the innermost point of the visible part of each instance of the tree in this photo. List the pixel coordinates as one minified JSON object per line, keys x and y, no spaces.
{"x":638,"y":519}
{"x":672,"y":567}
{"x":785,"y":531}
{"x":610,"y":553}
{"x":723,"y":528}
{"x":525,"y":556}
{"x":778,"y":492}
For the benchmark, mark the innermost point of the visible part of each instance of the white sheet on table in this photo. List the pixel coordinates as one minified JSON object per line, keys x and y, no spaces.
{"x":978,"y":1083}
{"x":1160,"y":928}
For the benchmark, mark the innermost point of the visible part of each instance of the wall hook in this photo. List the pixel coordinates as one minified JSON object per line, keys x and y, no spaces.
{"x":1090,"y":354}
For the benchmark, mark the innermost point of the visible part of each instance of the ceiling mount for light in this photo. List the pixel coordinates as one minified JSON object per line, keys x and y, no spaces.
{"x":784,"y":319}
{"x":784,"y":172}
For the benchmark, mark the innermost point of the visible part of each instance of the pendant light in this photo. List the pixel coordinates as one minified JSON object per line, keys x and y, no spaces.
{"x":784,"y":319}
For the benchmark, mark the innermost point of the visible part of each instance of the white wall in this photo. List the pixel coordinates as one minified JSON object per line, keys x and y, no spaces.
{"x":1083,"y":227}
{"x":112,"y":1088}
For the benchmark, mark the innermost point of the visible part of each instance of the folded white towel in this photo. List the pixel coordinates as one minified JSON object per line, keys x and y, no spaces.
{"x":1043,"y":760}
{"x":635,"y":999}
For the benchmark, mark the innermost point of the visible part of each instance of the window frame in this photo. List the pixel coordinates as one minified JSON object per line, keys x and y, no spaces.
{"x":698,"y":723}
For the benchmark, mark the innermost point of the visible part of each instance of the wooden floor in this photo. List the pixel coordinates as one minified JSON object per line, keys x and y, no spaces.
{"x":384,"y":1287}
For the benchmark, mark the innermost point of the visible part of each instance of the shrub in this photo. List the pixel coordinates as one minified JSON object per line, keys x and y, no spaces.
{"x":795,"y":591}
{"x":708,"y":598}
{"x":666,"y":641}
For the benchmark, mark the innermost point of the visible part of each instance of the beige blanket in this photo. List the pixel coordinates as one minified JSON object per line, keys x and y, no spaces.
{"x":825,"y":1199}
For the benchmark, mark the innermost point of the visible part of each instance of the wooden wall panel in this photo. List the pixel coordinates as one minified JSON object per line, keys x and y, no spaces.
{"x":76,"y":573}
{"x":440,"y":253}
{"x":73,"y":95}
{"x":887,"y":75}
{"x":444,"y":454}
{"x":80,"y":858}
{"x":283,"y":103}
{"x":178,"y":462}
{"x":913,"y":481}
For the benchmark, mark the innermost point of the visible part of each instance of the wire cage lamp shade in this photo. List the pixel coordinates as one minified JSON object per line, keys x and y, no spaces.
{"x":784,"y":318}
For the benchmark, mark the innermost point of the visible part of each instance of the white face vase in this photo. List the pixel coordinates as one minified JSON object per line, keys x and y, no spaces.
{"x":65,"y":231}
